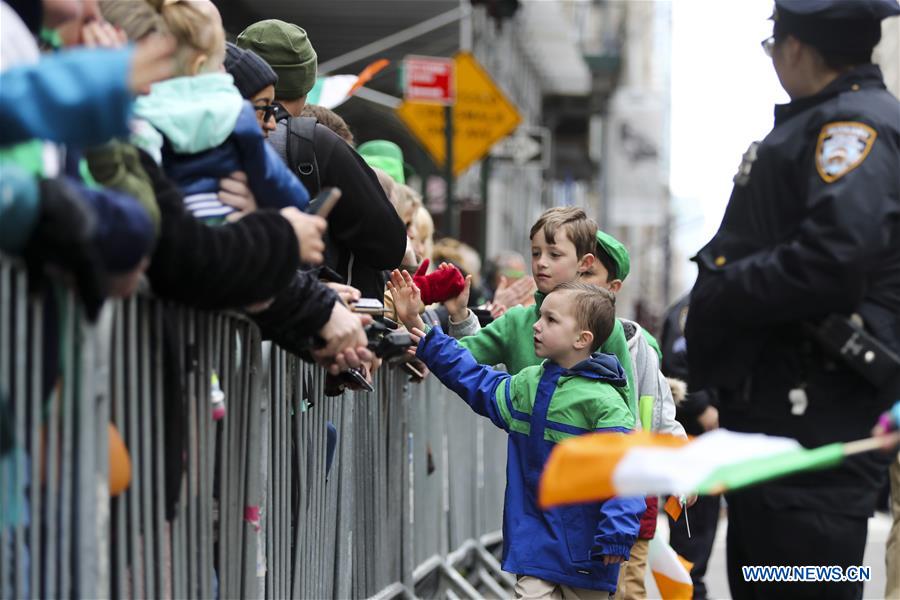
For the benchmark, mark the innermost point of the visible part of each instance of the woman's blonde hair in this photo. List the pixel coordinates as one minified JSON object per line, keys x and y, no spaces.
{"x":197,"y":28}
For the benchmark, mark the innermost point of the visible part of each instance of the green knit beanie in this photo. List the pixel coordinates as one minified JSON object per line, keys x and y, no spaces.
{"x":616,"y":252}
{"x":288,"y":51}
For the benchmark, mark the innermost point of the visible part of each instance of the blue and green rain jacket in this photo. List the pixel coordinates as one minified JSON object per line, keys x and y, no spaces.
{"x":538,"y":407}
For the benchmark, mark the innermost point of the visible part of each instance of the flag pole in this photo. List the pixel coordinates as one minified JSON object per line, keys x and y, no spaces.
{"x":881,"y":442}
{"x":873,"y":443}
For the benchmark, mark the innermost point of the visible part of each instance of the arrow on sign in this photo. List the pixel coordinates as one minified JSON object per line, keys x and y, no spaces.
{"x":525,"y":145}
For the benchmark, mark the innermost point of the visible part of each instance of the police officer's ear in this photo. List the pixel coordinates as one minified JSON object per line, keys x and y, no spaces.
{"x":586,"y":264}
{"x":614,"y":286}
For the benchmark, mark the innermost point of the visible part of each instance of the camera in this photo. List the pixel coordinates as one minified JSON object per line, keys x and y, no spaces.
{"x":386,"y":342}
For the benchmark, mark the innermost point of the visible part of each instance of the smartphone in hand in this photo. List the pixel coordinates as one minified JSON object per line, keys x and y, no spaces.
{"x":368,"y":306}
{"x":322,"y":204}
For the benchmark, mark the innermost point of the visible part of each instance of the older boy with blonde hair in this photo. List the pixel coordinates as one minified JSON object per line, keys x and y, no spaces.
{"x":563,"y":240}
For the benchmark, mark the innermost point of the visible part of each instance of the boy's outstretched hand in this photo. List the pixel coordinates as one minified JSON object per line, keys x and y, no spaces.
{"x":613,"y":560}
{"x":458,"y":306}
{"x":407,"y":299}
{"x":417,"y":336}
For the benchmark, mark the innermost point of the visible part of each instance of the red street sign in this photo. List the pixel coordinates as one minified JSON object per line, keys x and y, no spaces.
{"x":428,"y":79}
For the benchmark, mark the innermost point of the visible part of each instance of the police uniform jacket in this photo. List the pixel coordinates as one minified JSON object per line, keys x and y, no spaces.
{"x":812,"y":228}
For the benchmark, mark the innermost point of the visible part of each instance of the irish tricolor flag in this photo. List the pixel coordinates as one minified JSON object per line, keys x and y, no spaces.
{"x":597,"y":466}
{"x":671,"y":572}
{"x":334,"y":90}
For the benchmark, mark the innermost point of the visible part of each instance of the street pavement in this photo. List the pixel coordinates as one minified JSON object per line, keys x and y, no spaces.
{"x":717,"y":578}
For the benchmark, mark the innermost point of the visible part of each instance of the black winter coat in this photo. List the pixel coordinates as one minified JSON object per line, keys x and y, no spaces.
{"x":365,"y":235}
{"x":227,"y":266}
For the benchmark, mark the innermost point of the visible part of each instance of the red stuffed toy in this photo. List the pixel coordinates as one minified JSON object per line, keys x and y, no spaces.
{"x":440,"y":285}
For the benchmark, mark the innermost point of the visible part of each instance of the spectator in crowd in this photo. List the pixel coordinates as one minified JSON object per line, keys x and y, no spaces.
{"x":408,"y":200}
{"x":92,"y":105}
{"x":564,"y":552}
{"x":508,"y":283}
{"x":329,"y":119}
{"x":422,"y":234}
{"x":78,"y":96}
{"x":384,"y":155}
{"x":563,"y":240}
{"x":365,"y":235}
{"x":208,"y":129}
{"x":181,"y":264}
{"x":139,"y":20}
{"x":255,"y":80}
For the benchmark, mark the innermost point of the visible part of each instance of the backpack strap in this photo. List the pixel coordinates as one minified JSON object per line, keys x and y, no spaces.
{"x":301,"y":154}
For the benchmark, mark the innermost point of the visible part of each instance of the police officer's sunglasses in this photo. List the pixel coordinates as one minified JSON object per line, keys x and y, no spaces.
{"x":268,"y":110}
{"x":768,"y":45}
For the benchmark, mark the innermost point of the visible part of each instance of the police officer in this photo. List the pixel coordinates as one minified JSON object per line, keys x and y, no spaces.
{"x":812,"y":229}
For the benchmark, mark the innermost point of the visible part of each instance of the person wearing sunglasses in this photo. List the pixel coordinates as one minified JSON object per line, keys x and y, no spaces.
{"x":811,"y":232}
{"x":255,"y":80}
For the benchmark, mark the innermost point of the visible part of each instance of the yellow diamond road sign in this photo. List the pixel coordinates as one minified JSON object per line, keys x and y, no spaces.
{"x":482,"y":116}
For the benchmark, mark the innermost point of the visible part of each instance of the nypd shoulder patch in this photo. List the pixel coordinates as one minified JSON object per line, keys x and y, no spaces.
{"x":842,"y":147}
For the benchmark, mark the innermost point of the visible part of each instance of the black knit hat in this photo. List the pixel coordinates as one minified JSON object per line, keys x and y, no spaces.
{"x":250,"y":72}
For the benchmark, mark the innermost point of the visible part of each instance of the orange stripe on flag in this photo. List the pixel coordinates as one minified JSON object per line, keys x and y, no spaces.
{"x":688,"y":565}
{"x":673,"y":508}
{"x":581,"y":469}
{"x":669,"y":589}
{"x":366,"y":75}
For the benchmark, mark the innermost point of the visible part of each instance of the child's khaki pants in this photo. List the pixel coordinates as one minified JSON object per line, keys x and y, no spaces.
{"x":532,"y":588}
{"x":631,"y":576}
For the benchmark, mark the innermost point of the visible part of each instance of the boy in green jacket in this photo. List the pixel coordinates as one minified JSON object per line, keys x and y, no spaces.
{"x":563,"y":240}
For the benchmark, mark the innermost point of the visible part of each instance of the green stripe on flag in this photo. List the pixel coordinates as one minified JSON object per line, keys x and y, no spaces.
{"x":749,"y":472}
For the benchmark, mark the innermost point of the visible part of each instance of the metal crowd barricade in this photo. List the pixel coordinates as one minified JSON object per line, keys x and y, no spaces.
{"x":242,"y":507}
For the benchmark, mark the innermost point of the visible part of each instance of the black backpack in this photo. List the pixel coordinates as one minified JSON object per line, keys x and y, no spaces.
{"x":301,"y":153}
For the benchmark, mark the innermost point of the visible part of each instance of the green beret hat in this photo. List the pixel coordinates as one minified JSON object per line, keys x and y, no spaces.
{"x":616,"y":252}
{"x":288,"y":51}
{"x":385,"y":155}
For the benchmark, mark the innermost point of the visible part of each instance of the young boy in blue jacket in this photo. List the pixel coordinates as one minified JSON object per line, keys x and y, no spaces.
{"x":572,"y":551}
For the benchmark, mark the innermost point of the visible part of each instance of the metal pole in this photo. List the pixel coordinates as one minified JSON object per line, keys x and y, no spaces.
{"x":482,"y":233}
{"x":452,"y":209}
{"x":395,"y":39}
{"x":465,"y":26}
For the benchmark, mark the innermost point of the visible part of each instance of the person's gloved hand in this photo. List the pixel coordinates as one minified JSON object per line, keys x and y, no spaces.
{"x":440,"y":285}
{"x":63,"y":238}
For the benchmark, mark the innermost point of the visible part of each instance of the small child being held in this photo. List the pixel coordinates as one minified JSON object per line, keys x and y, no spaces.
{"x":202,"y":128}
{"x":572,"y":551}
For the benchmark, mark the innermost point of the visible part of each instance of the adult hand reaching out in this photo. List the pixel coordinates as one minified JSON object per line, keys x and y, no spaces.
{"x":347,"y":293}
{"x":345,"y":340}
{"x":518,"y":292}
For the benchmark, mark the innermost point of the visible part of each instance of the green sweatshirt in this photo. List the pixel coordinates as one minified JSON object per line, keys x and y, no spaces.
{"x":510,"y":340}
